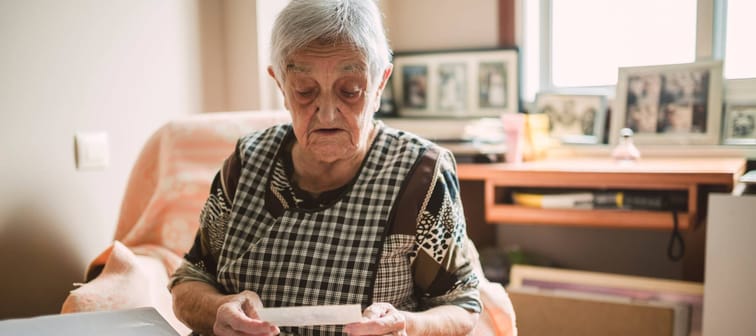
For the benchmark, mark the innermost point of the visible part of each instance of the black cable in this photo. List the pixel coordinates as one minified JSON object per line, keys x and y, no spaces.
{"x":675,"y":237}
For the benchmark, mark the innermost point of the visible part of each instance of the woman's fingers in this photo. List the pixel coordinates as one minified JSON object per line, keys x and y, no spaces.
{"x":379,"y":319}
{"x":239,"y":317}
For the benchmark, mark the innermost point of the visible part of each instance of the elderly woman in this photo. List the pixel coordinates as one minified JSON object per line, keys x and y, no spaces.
{"x":334,"y":208}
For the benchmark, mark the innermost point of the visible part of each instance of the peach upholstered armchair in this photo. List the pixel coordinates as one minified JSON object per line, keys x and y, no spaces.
{"x":159,"y":217}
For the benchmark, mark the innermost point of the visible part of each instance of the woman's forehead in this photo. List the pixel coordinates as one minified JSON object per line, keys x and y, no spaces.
{"x":340,"y":57}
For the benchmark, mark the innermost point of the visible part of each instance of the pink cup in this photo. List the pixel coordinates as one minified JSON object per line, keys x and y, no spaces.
{"x":514,"y":130}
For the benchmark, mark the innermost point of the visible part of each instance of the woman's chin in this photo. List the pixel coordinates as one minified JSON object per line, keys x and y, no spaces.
{"x":332,"y":153}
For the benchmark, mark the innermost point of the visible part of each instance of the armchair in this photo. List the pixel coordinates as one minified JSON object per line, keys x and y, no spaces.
{"x":159,"y":217}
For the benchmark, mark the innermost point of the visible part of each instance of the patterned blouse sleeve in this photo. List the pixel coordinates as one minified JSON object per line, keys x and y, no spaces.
{"x":200,"y":263}
{"x":443,"y":274}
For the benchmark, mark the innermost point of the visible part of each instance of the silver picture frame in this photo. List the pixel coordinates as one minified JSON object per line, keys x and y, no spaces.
{"x":669,"y":104}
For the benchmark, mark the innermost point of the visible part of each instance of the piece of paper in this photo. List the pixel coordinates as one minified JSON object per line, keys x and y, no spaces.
{"x":312,"y":315}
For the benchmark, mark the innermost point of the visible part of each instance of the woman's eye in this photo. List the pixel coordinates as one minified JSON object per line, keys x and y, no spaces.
{"x":305,"y":93}
{"x":350,"y":93}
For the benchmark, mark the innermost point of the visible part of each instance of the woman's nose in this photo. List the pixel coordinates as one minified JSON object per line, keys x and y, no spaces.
{"x":326,"y":112}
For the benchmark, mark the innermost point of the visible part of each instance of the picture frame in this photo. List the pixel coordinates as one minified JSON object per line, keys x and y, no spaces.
{"x":457,"y":84}
{"x":573,"y":118}
{"x":669,"y":104}
{"x":739,"y":123}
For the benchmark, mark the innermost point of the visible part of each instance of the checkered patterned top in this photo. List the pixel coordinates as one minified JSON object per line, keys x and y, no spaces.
{"x":392,"y":235}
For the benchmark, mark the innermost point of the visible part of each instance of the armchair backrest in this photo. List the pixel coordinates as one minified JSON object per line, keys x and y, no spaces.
{"x":171,"y":178}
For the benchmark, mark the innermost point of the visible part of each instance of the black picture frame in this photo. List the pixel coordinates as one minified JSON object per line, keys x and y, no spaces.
{"x":457,"y":83}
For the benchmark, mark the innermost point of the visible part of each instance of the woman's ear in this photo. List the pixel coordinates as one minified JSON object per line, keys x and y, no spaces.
{"x":386,"y":75}
{"x":278,"y":83}
{"x":382,"y":86}
{"x":273,"y":75}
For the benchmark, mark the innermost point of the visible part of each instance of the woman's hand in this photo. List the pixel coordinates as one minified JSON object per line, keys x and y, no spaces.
{"x":379,"y":319}
{"x":239,"y":316}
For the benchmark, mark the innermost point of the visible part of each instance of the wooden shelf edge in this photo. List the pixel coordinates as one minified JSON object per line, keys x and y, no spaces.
{"x":608,"y":218}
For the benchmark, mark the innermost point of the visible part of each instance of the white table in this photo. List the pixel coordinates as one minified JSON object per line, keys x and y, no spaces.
{"x":139,"y":321}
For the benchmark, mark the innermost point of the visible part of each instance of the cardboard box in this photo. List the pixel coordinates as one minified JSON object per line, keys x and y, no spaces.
{"x":550,"y":301}
{"x":553,"y":313}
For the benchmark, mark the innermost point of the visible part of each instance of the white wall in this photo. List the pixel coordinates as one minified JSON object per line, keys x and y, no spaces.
{"x":242,"y":71}
{"x":247,"y":27}
{"x":119,"y":66}
{"x":418,"y":25}
{"x":267,"y":11}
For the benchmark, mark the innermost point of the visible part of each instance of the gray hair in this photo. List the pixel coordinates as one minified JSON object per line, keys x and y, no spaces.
{"x":355,"y":22}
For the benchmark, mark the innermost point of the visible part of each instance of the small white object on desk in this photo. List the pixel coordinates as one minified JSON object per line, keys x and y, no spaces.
{"x":312,"y":315}
{"x":626,"y":151}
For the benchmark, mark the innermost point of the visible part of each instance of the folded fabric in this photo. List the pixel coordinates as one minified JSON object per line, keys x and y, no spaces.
{"x":126,"y":281}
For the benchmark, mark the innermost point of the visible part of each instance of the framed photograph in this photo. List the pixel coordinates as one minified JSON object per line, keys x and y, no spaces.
{"x":463,"y":83}
{"x":575,"y":119}
{"x":669,"y":104}
{"x":740,"y":124}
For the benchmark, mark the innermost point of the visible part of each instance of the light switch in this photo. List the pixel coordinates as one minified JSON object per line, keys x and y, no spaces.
{"x":92,"y":150}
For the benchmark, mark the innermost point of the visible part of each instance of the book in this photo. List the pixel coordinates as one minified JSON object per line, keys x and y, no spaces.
{"x":748,"y":178}
{"x":641,"y":200}
{"x":554,"y":201}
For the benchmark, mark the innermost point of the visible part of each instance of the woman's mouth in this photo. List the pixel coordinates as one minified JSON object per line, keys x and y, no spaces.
{"x":328,"y":131}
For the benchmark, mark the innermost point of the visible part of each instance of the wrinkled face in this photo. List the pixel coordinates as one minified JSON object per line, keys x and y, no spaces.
{"x":327,"y":92}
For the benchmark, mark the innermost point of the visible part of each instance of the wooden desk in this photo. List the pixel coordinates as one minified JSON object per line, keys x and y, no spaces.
{"x":695,"y":176}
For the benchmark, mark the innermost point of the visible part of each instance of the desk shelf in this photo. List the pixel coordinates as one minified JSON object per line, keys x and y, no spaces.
{"x":694,"y":176}
{"x":611,"y":218}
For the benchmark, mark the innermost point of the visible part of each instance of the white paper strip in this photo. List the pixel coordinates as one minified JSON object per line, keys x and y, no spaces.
{"x":312,"y":315}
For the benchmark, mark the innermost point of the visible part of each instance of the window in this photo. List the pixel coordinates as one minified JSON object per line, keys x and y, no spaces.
{"x":740,"y":51}
{"x":626,"y":33}
{"x":561,"y":39}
